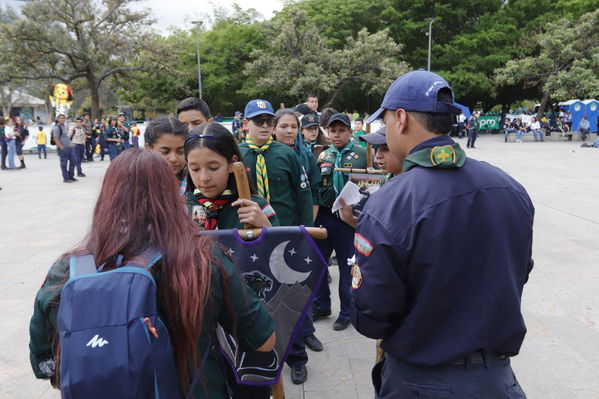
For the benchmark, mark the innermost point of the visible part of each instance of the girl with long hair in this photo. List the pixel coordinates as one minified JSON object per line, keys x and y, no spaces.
{"x":212,"y":200}
{"x":166,"y":136}
{"x":197,"y":284}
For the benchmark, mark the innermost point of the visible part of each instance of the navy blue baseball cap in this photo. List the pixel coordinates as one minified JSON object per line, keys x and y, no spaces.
{"x":339,"y":117}
{"x":258,"y":107}
{"x":416,"y":91}
{"x":377,"y":138}
{"x":309,"y":120}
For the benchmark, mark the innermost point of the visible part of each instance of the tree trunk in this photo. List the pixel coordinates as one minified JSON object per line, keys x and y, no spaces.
{"x":95,"y":94}
{"x":544,"y":101}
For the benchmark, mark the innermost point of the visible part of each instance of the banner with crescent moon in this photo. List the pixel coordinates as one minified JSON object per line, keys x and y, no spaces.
{"x":284,"y":267}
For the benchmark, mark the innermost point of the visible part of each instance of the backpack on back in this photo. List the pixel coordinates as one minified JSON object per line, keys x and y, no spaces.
{"x":113,"y":343}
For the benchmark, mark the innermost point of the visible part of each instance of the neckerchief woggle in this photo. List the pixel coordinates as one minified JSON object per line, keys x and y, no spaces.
{"x":449,"y":156}
{"x":212,"y":206}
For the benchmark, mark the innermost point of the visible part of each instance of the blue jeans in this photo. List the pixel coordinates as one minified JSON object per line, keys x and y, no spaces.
{"x":298,"y":355}
{"x":90,"y":148}
{"x":520,"y":134}
{"x":583,"y":133}
{"x":67,"y":162}
{"x":41,"y":148}
{"x":79,"y":152}
{"x":3,"y":152}
{"x":489,"y":380}
{"x":12,"y":149}
{"x":126,"y":145}
{"x":113,"y":151}
{"x":506,"y":133}
{"x":539,"y":133}
{"x":135,"y":141}
{"x":340,"y":239}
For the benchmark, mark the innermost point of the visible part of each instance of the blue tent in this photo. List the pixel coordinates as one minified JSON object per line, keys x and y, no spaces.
{"x":592,"y":113}
{"x":464,"y":109}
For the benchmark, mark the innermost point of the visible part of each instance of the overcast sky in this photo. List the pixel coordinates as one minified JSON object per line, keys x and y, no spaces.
{"x":178,"y":13}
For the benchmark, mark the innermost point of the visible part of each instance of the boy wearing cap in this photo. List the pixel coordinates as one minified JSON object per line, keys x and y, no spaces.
{"x":443,"y":252}
{"x":135,"y":134}
{"x":236,"y":126}
{"x":343,"y":153}
{"x":274,"y":168}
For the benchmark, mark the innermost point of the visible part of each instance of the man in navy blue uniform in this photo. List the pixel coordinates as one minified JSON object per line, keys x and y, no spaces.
{"x":442,"y":254}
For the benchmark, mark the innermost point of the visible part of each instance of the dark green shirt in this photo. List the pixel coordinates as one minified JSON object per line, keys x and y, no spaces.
{"x":228,"y":217}
{"x":290,"y":193}
{"x":254,"y":324}
{"x":355,"y":159}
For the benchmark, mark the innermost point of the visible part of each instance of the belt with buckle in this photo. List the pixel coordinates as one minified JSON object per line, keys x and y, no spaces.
{"x":477,"y":357}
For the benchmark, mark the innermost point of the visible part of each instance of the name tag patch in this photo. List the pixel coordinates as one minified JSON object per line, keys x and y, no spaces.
{"x":362,"y":245}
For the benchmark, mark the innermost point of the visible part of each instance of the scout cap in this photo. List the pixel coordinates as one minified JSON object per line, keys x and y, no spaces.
{"x":258,"y":107}
{"x":377,"y":138}
{"x":416,"y":91}
{"x":238,"y":113}
{"x":309,"y":120}
{"x":304,"y":109}
{"x":339,"y":117}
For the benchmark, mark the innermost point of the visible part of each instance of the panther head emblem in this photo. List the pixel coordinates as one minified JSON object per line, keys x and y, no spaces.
{"x":259,"y":283}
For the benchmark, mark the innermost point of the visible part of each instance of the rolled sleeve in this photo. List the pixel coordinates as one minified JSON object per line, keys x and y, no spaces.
{"x":378,"y":291}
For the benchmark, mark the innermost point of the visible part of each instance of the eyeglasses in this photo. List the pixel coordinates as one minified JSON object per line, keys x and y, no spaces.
{"x":270,"y":122}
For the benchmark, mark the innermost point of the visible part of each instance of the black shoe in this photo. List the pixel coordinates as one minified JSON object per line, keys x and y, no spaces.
{"x":81,"y":175}
{"x":299,"y":374}
{"x":68,"y":181}
{"x":320,"y":314}
{"x":313,"y":343}
{"x":341,"y":324}
{"x":73,"y":179}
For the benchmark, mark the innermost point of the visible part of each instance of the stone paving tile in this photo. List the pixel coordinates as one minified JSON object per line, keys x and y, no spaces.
{"x":560,"y":355}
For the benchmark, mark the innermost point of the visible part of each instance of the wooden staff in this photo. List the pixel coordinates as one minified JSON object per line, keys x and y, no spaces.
{"x":243,"y":190}
{"x":368,"y":156}
{"x":369,"y":171}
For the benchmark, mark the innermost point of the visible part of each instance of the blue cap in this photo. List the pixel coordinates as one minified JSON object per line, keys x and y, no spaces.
{"x":377,"y":138}
{"x":258,"y":107}
{"x":416,"y":91}
{"x":238,"y":113}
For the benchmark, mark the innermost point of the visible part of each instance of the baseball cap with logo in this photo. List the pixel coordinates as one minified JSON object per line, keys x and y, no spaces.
{"x":416,"y":91}
{"x":258,"y":107}
{"x":339,"y":117}
{"x":377,"y":138}
{"x":309,"y":120}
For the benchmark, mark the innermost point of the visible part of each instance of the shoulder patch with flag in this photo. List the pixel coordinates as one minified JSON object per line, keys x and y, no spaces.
{"x":362,"y":245}
{"x":269,"y":211}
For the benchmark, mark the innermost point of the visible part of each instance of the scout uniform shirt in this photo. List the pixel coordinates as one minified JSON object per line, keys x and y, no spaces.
{"x":290,"y":193}
{"x":253,"y":323}
{"x":223,"y":215}
{"x":352,"y":156}
{"x":442,"y":253}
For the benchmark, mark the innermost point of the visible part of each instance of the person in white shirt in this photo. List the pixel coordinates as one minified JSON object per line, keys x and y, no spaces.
{"x":11,"y":142}
{"x":535,"y":127}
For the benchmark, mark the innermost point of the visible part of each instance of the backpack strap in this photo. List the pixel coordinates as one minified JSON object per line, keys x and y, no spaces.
{"x":82,"y":264}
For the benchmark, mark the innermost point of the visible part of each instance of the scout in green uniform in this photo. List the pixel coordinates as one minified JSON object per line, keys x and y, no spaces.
{"x":213,"y":201}
{"x":166,"y":136}
{"x":198,"y":286}
{"x":342,"y":154}
{"x":274,"y":168}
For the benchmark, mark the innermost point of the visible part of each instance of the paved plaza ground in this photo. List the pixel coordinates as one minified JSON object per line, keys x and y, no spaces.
{"x":41,"y":217}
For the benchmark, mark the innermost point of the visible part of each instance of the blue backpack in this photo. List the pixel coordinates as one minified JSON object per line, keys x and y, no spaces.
{"x":113,"y":344}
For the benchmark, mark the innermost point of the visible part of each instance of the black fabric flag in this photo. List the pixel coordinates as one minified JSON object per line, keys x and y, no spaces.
{"x":284,"y":267}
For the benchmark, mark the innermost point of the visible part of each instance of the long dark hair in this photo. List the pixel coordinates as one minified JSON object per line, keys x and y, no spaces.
{"x":222,"y":142}
{"x":164,"y":125}
{"x":139,"y":205}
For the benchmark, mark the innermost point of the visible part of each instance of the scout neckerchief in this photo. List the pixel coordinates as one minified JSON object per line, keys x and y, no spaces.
{"x":338,"y":180}
{"x":261,"y":172}
{"x":448,"y":156}
{"x":212,"y":206}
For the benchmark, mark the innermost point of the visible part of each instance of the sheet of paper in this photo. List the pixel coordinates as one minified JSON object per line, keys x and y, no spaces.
{"x":350,"y":194}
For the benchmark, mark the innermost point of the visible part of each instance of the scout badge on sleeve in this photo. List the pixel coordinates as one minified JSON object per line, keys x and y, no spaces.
{"x":284,"y":267}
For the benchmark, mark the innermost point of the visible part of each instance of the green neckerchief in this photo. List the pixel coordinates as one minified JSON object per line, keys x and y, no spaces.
{"x":338,"y":181}
{"x":442,"y":157}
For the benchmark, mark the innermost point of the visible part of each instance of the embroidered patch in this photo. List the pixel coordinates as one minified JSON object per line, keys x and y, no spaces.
{"x":269,"y":211}
{"x":442,"y":154}
{"x":356,"y":281}
{"x":362,"y":245}
{"x":324,"y":165}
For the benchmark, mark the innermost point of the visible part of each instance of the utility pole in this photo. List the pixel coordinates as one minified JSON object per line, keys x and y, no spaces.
{"x":197,"y":24}
{"x":430,"y":40}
